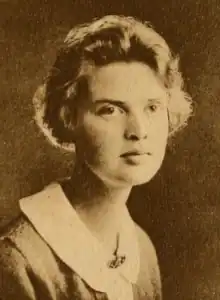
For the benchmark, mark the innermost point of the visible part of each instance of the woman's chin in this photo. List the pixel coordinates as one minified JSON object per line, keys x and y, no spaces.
{"x":124,"y":178}
{"x":138,"y":180}
{"x":127,"y":180}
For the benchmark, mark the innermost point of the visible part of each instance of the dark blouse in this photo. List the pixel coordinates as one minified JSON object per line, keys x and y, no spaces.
{"x":31,"y":270}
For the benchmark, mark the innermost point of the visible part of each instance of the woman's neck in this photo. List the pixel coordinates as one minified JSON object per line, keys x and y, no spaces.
{"x":99,"y":205}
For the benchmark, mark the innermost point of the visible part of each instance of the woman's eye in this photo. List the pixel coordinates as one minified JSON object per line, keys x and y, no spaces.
{"x":109,"y":110}
{"x":153,"y":107}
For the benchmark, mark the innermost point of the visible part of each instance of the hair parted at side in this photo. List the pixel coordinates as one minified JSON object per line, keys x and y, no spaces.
{"x":106,"y":40}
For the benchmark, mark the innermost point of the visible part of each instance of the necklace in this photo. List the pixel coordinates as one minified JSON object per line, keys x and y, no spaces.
{"x":117,"y":259}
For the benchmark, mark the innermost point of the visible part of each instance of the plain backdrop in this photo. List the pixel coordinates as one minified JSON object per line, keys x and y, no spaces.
{"x":180,"y":207}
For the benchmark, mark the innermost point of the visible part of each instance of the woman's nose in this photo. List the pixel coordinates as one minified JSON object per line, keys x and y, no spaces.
{"x":136,"y":129}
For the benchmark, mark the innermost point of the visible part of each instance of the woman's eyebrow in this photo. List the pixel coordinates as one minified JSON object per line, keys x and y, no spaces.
{"x":125,"y":105}
{"x":161,"y":100}
{"x":111,"y":101}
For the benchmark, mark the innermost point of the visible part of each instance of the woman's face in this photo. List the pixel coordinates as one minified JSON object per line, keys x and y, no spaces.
{"x":123,"y":126}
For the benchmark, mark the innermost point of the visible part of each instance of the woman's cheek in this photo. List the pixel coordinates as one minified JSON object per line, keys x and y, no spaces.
{"x":103,"y":130}
{"x":161,"y":126}
{"x":101,"y":138}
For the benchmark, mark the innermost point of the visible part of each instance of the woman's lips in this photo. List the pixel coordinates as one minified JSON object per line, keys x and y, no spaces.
{"x":135,"y":153}
{"x":135,"y":157}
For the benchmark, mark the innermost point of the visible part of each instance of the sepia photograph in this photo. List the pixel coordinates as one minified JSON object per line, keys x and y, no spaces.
{"x":109,"y":152}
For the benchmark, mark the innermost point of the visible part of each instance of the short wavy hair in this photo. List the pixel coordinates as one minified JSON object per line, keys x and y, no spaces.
{"x":103,"y":41}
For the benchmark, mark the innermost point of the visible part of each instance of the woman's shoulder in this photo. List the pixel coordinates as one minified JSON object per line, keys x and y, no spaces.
{"x":20,"y":232}
{"x":18,"y":236}
{"x":18,"y":228}
{"x":148,"y":253}
{"x":145,"y":242}
{"x":149,"y":267}
{"x":27,"y":263}
{"x":20,"y":243}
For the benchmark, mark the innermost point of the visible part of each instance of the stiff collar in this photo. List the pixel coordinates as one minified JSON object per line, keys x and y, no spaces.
{"x":57,"y":222}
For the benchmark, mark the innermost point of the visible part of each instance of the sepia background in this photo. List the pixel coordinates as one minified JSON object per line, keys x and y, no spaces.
{"x":180,"y":207}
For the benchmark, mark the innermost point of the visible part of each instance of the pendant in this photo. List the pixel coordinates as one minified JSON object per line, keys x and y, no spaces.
{"x":117,"y":261}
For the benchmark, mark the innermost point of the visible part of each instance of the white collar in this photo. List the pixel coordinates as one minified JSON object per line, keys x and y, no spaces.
{"x":58,"y":223}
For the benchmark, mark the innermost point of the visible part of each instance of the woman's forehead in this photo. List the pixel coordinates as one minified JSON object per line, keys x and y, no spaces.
{"x":124,"y":81}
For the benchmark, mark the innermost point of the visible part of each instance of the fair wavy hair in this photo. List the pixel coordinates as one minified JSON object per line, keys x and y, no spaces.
{"x":103,"y":41}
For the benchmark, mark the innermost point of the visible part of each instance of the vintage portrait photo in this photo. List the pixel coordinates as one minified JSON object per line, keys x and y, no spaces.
{"x":109,"y":150}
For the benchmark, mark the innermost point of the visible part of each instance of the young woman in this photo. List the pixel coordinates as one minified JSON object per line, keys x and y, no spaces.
{"x":114,"y":96}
